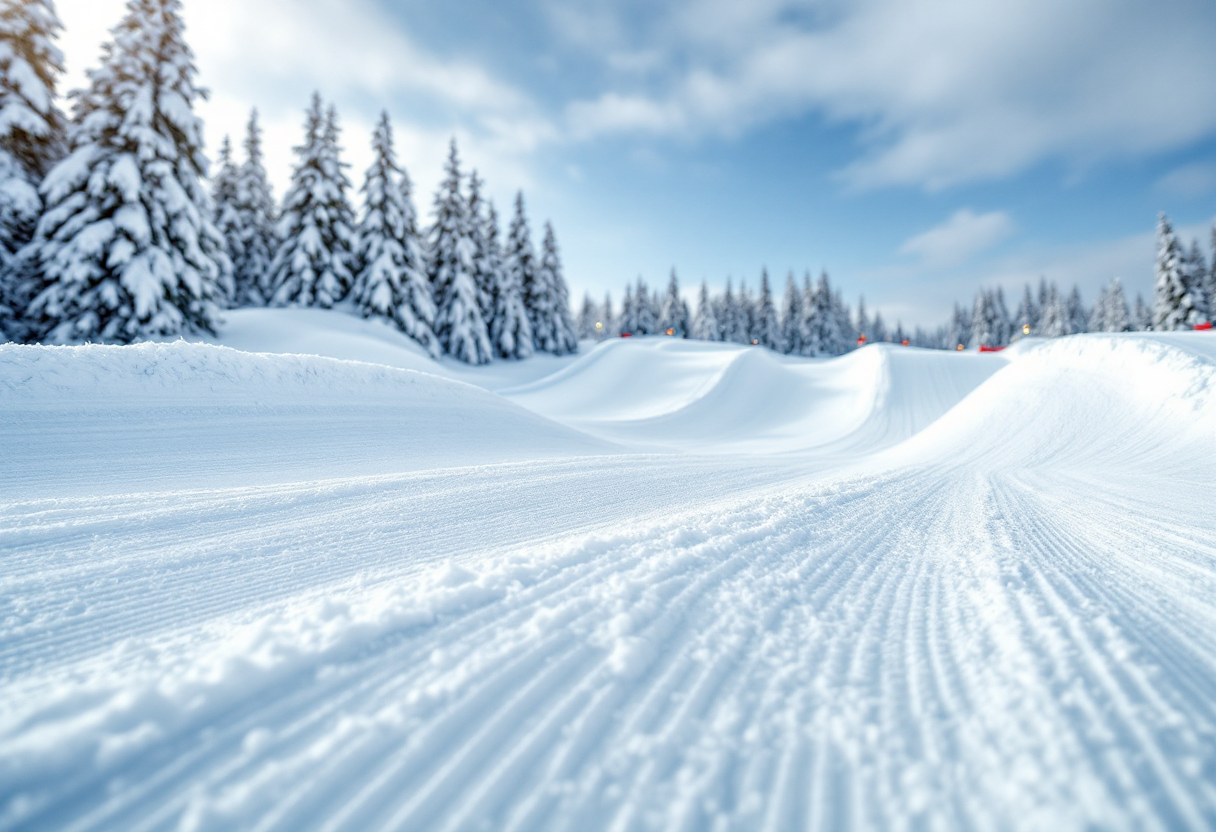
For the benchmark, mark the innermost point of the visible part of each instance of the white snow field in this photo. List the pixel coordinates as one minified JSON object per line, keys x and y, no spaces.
{"x":660,"y":585}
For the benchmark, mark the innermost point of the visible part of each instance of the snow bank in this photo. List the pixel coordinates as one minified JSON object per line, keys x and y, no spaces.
{"x":102,"y":418}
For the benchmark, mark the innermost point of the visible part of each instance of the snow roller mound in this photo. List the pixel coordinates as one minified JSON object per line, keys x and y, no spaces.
{"x":156,"y":415}
{"x":1087,"y":403}
{"x":713,"y":397}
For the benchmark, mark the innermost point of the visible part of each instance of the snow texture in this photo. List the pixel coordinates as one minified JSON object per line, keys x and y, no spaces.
{"x":671,"y":585}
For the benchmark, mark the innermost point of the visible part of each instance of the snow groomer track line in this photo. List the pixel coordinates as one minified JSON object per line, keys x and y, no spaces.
{"x":920,"y":591}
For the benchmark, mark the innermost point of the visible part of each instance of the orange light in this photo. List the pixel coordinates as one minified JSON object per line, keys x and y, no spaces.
{"x":861,"y":339}
{"x":755,"y":342}
{"x":904,"y":342}
{"x":671,"y":331}
{"x":959,"y":347}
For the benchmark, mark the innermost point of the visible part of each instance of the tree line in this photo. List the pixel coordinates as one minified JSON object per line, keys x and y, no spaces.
{"x":812,"y":319}
{"x":108,"y":231}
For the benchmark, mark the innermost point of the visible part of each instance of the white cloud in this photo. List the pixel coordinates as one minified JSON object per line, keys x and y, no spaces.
{"x":1194,"y":180}
{"x":959,"y":238}
{"x":945,"y":91}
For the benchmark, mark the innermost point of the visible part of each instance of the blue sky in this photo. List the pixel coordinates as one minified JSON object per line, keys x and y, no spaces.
{"x":915,"y":150}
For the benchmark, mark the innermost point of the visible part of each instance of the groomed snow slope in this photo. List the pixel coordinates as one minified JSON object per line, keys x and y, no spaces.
{"x":87,"y":420}
{"x":1006,"y":622}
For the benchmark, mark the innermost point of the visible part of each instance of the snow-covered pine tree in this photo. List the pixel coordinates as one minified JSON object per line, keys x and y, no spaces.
{"x":959,"y":329}
{"x":674,"y":313}
{"x":458,"y":322}
{"x":510,"y":331}
{"x":126,"y":247}
{"x":791,"y":318}
{"x":880,"y":329}
{"x":1054,"y":320}
{"x":1078,"y":317}
{"x":31,"y":140}
{"x":1209,"y":283}
{"x":609,"y":317}
{"x":1027,"y":314}
{"x":1174,"y":304}
{"x":227,"y":219}
{"x":768,"y":328}
{"x":1196,"y":281}
{"x":256,"y":210}
{"x":844,"y":323}
{"x":1115,"y":316}
{"x":705,"y":325}
{"x":483,"y":262}
{"x":990,"y":325}
{"x":588,"y":317}
{"x":628,"y":322}
{"x":1142,"y":316}
{"x":312,"y":264}
{"x":1097,"y":315}
{"x":863,"y":320}
{"x":565,"y":338}
{"x":645,"y":317}
{"x":390,"y":281}
{"x":824,"y":336}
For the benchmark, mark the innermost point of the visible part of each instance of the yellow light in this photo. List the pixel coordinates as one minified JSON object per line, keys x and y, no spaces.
{"x":599,"y":325}
{"x":1025,"y":329}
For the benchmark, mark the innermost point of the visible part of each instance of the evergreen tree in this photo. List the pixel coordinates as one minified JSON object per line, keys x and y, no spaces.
{"x":1110,"y":312}
{"x":561,"y":327}
{"x":628,"y":322}
{"x":960,"y":328}
{"x":646,"y":321}
{"x":1054,"y":321}
{"x":458,"y":322}
{"x":824,"y":333}
{"x":1196,"y":280}
{"x":125,"y":247}
{"x":674,"y":314}
{"x":609,"y":317}
{"x":791,"y":318}
{"x":483,"y":262}
{"x":227,"y":219}
{"x":880,"y":329}
{"x":256,"y":212}
{"x":1142,"y":317}
{"x":705,"y":326}
{"x":1078,"y":317}
{"x":391,"y":282}
{"x":588,"y":317}
{"x":990,"y":324}
{"x":312,"y":264}
{"x":768,"y":330}
{"x":1174,"y":306}
{"x":863,"y":321}
{"x":1028,"y":314}
{"x":510,"y":332}
{"x":31,"y":125}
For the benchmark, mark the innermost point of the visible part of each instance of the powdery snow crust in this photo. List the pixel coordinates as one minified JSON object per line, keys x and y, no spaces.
{"x":669,"y":586}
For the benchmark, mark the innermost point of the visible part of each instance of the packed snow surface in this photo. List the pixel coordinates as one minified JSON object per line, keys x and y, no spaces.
{"x":664,"y":586}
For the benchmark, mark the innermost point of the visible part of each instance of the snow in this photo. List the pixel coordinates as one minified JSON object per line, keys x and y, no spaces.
{"x":314,"y":579}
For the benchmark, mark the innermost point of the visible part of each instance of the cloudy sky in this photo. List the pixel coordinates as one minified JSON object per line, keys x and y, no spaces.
{"x":916,"y":149}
